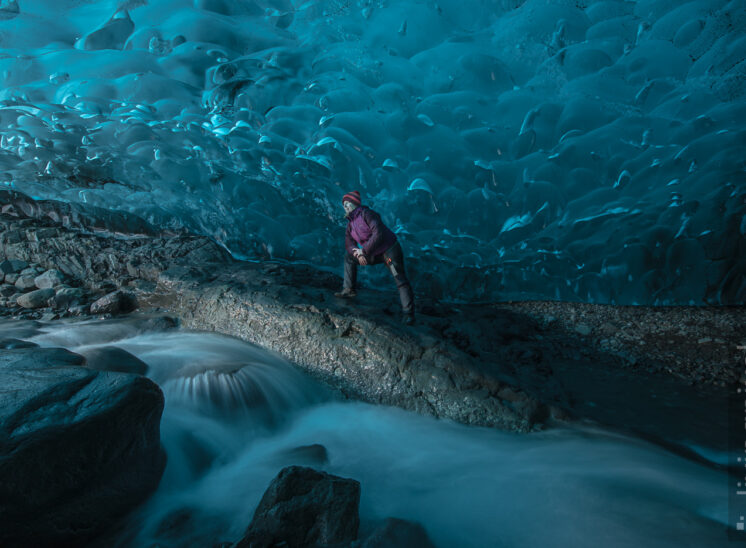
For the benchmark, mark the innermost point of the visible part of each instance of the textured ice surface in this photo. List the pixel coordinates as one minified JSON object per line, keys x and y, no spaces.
{"x":570,"y":149}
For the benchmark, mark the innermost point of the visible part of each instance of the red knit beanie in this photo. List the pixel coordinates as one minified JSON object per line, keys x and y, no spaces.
{"x":353,"y":197}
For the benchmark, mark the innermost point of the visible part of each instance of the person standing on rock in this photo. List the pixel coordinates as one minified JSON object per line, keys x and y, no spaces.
{"x":367,"y":242}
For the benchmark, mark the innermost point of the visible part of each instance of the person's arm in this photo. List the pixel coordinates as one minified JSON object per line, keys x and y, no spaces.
{"x":373,"y":220}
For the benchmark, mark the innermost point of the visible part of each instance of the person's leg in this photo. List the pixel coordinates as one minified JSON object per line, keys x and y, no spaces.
{"x":350,"y":272}
{"x":350,"y":277}
{"x":394,"y":259}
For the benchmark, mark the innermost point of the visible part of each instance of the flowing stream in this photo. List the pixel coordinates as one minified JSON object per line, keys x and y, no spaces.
{"x":236,"y":414}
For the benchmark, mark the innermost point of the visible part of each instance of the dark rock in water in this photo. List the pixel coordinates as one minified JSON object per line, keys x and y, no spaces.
{"x":11,"y":278}
{"x":114,"y":303}
{"x":79,"y":448}
{"x":19,"y":329}
{"x":16,"y":343}
{"x":305,"y":454}
{"x":305,"y":507}
{"x":112,"y":358}
{"x":12,"y":266}
{"x":49,"y":279}
{"x":35,"y":299}
{"x":397,"y":533}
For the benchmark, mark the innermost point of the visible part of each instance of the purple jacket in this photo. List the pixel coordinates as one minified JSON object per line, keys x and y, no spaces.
{"x":365,"y":227}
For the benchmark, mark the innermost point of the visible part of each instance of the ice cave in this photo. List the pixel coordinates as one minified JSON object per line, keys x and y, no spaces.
{"x":564,"y":179}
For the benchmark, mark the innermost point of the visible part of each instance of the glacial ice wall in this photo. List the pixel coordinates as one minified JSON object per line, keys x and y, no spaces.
{"x":567,"y":149}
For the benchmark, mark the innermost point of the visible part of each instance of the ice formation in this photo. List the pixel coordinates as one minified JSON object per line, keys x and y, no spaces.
{"x":566,"y":149}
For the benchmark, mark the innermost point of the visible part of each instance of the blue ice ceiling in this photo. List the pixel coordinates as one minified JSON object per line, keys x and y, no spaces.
{"x":579,"y":150}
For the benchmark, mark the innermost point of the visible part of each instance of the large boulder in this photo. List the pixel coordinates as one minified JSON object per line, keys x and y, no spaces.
{"x":304,"y":507}
{"x":35,"y":299}
{"x":78,"y":448}
{"x":114,"y":303}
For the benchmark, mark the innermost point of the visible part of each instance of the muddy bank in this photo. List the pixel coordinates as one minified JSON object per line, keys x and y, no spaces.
{"x":517,"y":366}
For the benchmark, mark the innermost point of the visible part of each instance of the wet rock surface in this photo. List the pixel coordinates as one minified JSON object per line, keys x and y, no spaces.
{"x":307,"y":508}
{"x":518,"y":366}
{"x":79,"y":448}
{"x":303,"y":507}
{"x":112,"y":358}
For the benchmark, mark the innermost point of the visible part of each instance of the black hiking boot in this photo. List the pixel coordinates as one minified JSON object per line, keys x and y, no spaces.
{"x":346,"y":293}
{"x":408,"y":319}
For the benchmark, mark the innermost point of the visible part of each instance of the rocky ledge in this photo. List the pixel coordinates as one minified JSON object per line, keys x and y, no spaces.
{"x":517,"y":366}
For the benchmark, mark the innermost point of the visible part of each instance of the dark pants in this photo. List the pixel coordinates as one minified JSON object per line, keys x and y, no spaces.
{"x":394,"y":260}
